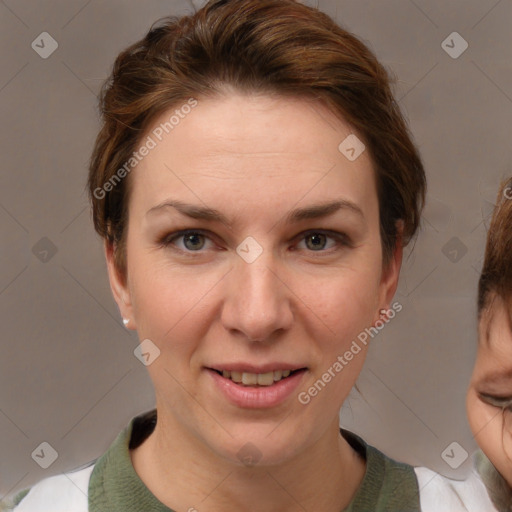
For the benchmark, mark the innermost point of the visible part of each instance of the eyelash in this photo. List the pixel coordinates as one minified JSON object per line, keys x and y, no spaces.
{"x":166,"y":241}
{"x":495,"y":401}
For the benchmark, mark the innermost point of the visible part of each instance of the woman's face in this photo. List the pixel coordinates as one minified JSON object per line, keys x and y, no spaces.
{"x":280,"y":269}
{"x":489,"y":399}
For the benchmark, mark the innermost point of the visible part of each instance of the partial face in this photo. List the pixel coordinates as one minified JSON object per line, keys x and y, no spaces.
{"x":489,"y":400}
{"x":253,"y":251}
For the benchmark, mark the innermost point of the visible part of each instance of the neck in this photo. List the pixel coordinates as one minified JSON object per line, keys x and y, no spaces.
{"x":185,"y":474}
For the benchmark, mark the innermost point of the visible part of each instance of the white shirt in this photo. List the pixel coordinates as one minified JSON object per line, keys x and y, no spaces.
{"x":68,"y":493}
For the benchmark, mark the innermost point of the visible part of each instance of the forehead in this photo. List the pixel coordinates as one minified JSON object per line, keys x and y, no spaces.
{"x":248,"y":147}
{"x":247,"y":120}
{"x":493,"y":367}
{"x":495,"y":330}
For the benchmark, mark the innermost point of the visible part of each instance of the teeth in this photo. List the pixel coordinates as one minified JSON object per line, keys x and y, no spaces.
{"x":249,"y":379}
{"x":266,"y":379}
{"x":235,"y":376}
{"x":253,"y":379}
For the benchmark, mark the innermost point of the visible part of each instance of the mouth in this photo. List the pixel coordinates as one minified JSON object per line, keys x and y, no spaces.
{"x":256,"y":380}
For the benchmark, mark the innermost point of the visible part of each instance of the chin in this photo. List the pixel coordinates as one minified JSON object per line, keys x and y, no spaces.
{"x":257,"y":450}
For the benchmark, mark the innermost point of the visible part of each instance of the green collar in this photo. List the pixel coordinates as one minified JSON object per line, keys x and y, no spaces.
{"x":387,"y":486}
{"x":115,"y":486}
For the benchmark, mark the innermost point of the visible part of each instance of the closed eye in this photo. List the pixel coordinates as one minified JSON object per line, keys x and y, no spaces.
{"x":496,"y":401}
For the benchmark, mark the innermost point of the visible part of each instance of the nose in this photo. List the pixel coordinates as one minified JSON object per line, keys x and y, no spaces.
{"x":258,"y":303}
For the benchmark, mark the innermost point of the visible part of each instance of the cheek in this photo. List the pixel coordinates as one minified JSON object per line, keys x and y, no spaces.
{"x":175,"y":311}
{"x":345,"y":303}
{"x":350,"y":311}
{"x":172,"y":303}
{"x":483,"y":419}
{"x":486,"y":423}
{"x":353,"y":298}
{"x":346,"y":308}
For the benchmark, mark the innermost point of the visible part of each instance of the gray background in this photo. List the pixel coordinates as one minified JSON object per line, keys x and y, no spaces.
{"x":68,"y":375}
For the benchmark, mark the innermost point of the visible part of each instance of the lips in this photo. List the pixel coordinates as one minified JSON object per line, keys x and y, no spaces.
{"x":251,"y":394}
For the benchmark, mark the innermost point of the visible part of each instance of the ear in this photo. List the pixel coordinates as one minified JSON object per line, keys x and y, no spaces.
{"x":119,"y":287}
{"x":391,"y":273}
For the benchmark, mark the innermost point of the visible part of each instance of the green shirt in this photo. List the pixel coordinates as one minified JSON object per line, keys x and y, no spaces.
{"x":387,"y":486}
{"x":114,"y":486}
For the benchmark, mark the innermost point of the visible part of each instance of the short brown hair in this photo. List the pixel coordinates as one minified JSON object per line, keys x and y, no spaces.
{"x":276,"y":47}
{"x":496,"y":275}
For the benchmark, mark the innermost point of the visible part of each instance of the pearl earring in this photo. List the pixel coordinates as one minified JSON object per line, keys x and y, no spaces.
{"x":126,"y":321}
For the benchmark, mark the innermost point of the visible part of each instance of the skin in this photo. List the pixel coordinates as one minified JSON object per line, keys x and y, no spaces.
{"x":490,"y":388}
{"x":303,"y":301}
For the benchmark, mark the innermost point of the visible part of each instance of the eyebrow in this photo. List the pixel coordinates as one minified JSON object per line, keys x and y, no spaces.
{"x":315,"y":211}
{"x":490,"y":313}
{"x":497,"y":378}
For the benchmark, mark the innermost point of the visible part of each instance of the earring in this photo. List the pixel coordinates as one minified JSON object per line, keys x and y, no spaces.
{"x":126,"y":321}
{"x":383,"y":313}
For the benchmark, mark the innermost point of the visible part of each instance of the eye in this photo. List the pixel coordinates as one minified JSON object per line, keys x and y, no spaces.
{"x":316,"y":241}
{"x":192,"y":241}
{"x":189,"y":241}
{"x":497,"y":401}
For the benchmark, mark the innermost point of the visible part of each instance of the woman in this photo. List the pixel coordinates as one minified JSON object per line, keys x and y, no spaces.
{"x":489,"y":399}
{"x":255,"y":183}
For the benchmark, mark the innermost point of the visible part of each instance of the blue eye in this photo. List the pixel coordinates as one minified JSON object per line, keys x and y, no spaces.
{"x":318,"y":240}
{"x":194,"y":241}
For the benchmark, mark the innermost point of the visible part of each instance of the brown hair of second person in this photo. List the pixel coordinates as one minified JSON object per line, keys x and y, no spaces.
{"x":496,"y":275}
